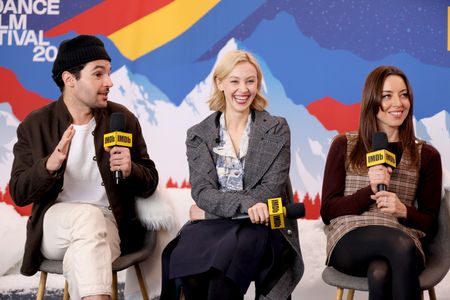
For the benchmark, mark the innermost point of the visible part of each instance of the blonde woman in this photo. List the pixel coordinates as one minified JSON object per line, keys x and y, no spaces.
{"x":238,"y":157}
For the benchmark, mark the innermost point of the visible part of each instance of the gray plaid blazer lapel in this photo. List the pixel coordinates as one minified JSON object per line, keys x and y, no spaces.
{"x":208,"y":133}
{"x":263,"y":148}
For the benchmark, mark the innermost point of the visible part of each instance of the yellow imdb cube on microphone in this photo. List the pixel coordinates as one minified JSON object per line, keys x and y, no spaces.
{"x":276,"y":213}
{"x":118,"y":138}
{"x":380,"y":157}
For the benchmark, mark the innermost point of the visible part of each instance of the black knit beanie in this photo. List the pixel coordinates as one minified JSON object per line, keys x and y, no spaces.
{"x":77,"y":51}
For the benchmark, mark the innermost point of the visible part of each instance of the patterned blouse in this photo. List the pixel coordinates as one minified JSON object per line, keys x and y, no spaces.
{"x":230,"y":165}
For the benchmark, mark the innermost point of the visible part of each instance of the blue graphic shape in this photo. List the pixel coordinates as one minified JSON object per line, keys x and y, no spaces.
{"x":310,"y":72}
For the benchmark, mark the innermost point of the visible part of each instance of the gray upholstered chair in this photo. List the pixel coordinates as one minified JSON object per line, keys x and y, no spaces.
{"x":121,"y":263}
{"x":438,"y":262}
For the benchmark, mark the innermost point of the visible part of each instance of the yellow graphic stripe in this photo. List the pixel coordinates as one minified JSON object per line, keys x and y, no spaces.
{"x":160,"y":27}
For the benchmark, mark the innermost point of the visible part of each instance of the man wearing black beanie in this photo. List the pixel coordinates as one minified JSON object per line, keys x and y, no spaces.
{"x":80,"y":215}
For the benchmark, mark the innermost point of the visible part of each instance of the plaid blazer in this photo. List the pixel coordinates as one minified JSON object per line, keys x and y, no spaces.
{"x":266,"y":176}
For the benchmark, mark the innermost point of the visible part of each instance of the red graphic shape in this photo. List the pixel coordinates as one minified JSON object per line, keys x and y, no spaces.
{"x":107,"y":17}
{"x":312,"y":208}
{"x":171,"y":184}
{"x":185,"y":184}
{"x":335,"y":115}
{"x":18,"y":96}
{"x":6,"y":197}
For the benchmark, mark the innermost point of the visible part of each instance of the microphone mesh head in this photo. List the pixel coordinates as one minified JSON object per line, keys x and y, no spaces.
{"x":117,"y":122}
{"x":379,"y":141}
{"x":295,"y":210}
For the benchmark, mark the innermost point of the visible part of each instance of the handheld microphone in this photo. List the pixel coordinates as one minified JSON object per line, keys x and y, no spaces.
{"x":117,"y":138}
{"x":379,"y":155}
{"x":278,"y":213}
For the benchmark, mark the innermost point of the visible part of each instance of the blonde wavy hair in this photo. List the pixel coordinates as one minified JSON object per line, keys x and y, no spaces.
{"x":224,"y":67}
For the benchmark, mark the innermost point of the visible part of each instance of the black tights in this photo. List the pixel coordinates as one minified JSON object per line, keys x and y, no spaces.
{"x":210,"y":285}
{"x":387,"y":256}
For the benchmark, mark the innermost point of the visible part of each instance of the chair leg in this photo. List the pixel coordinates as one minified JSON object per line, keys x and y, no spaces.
{"x":41,"y":288}
{"x":141,"y":282}
{"x":66,"y":291}
{"x":432,"y":294}
{"x":114,"y":295}
{"x":339,"y":293}
{"x":350,"y":294}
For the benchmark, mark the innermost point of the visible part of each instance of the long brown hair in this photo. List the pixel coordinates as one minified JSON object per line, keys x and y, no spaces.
{"x":224,"y":68}
{"x":370,"y":105}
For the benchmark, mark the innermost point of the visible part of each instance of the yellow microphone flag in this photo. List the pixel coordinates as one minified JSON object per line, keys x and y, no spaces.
{"x":276,"y":213}
{"x":380,"y":157}
{"x":118,"y":138}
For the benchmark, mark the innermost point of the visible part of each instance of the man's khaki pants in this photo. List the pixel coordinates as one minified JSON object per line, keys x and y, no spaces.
{"x":85,"y":237}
